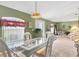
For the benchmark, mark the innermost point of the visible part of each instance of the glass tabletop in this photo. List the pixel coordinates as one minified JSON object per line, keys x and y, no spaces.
{"x":33,"y":43}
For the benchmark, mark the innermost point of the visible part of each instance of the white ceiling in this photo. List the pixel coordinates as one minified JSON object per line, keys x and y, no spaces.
{"x":58,"y":11}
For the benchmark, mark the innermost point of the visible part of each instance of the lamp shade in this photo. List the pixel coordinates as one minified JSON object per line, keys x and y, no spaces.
{"x":36,"y":15}
{"x":74,"y":29}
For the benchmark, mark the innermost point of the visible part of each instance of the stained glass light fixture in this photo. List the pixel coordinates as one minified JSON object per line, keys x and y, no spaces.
{"x":36,"y":14}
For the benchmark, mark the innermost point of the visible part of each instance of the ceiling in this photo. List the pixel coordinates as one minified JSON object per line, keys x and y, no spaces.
{"x":57,"y":11}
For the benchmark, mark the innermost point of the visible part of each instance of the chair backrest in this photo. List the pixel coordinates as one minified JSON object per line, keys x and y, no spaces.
{"x":5,"y":51}
{"x":48,"y":34}
{"x":28,"y":36}
{"x":49,"y":46}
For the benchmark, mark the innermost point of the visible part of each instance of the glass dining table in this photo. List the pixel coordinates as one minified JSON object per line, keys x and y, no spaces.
{"x":34,"y":45}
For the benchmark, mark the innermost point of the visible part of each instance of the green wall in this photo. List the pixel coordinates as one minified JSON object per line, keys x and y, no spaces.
{"x":48,"y":25}
{"x":5,"y":11}
{"x":66,"y":26}
{"x":8,"y":12}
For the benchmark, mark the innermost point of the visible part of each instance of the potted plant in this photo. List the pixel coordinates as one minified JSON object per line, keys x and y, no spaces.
{"x":37,"y":33}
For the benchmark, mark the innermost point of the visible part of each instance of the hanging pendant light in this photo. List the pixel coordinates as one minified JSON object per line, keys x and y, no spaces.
{"x":36,"y":14}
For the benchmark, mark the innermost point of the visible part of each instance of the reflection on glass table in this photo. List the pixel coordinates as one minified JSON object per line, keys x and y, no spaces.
{"x":33,"y":43}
